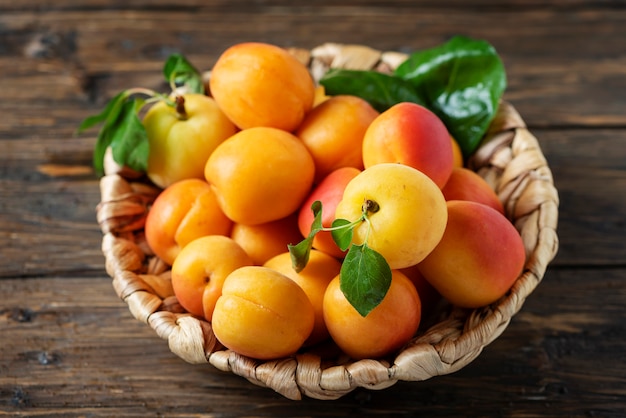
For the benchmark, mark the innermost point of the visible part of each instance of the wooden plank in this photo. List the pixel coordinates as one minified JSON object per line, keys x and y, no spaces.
{"x":236,"y":5}
{"x":70,"y":347}
{"x":126,"y":35}
{"x":589,"y":169}
{"x":555,"y":58}
{"x":48,"y":198}
{"x":52,"y":104}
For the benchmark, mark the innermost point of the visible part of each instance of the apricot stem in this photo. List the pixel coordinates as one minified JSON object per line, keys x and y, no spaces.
{"x":370,"y":206}
{"x":180,"y":107}
{"x":348,"y":225}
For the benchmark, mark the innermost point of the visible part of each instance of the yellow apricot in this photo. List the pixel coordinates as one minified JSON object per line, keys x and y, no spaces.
{"x":181,"y":144}
{"x":407,"y":212}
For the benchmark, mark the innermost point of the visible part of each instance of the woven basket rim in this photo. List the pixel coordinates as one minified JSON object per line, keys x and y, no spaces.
{"x":510,"y":159}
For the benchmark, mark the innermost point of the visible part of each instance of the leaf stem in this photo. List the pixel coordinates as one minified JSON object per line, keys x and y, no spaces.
{"x":154,"y":96}
{"x":344,"y":226}
{"x":141,"y":90}
{"x":367,"y":231}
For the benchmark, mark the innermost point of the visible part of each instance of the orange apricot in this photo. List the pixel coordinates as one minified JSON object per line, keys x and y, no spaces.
{"x":263,"y":241}
{"x":457,"y":153}
{"x":410,"y":134}
{"x":320,"y":95}
{"x":329,"y":192}
{"x":200,"y":269}
{"x":479,"y":257}
{"x":185,"y":210}
{"x":260,"y":175}
{"x":262,"y":314}
{"x":387,"y":328}
{"x":464,"y":184}
{"x":333,"y":133}
{"x":259,"y":84}
{"x":313,"y":279}
{"x":428,"y":294}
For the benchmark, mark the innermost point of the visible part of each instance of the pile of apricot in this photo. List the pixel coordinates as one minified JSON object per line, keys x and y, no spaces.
{"x":278,"y":144}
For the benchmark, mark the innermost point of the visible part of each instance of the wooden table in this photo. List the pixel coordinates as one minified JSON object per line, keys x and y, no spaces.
{"x":69,"y":346}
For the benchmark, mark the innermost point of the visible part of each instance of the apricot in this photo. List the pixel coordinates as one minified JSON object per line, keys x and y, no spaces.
{"x":260,"y":175}
{"x":387,"y":328}
{"x":182,"y":212}
{"x":410,"y":134}
{"x":262,"y":314}
{"x":464,"y":184}
{"x":200,"y":269}
{"x":406,"y":212}
{"x":181,"y":144}
{"x":313,"y":279}
{"x":329,"y":191}
{"x":428,"y":294}
{"x":264,"y":241}
{"x":457,"y":153}
{"x":333,"y":133}
{"x":479,"y":257}
{"x":320,"y":95}
{"x":258,"y":84}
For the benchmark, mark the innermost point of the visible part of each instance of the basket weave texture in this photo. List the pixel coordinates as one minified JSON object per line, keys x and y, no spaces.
{"x":509,"y":158}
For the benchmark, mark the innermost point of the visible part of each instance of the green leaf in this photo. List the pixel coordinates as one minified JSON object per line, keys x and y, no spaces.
{"x":316,"y":225}
{"x":122,"y":131}
{"x":381,"y":90}
{"x":300,"y":252}
{"x":365,"y":278}
{"x":111,"y":111}
{"x":129,"y":142}
{"x":179,"y":71}
{"x":462,"y":82}
{"x":111,"y":118}
{"x":342,"y":236}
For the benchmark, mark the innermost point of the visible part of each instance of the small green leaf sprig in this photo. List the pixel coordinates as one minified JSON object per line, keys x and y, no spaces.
{"x":365,"y":275}
{"x":122,"y":129}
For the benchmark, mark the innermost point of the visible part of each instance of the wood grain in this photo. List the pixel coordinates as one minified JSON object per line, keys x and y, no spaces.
{"x":555,"y":57}
{"x":69,"y":347}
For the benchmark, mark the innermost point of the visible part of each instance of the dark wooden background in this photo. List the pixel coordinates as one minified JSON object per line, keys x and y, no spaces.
{"x":69,"y":346}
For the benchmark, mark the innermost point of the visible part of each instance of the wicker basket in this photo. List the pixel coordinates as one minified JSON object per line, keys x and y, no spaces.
{"x":509,"y":158}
